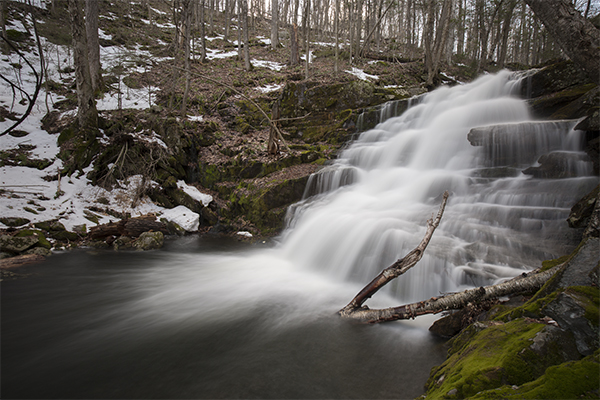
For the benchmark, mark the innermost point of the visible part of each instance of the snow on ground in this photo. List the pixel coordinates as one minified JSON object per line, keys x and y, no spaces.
{"x":31,"y":193}
{"x":360,"y":74}
{"x":212,"y":54}
{"x":269,"y":88}
{"x":272,"y":65}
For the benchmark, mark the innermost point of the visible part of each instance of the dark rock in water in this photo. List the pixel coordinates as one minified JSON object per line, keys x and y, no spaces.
{"x":561,"y":164}
{"x":122,"y":243}
{"x":582,"y":211}
{"x":14,"y":221}
{"x":448,"y":326}
{"x":590,"y":123}
{"x":149,"y":241}
{"x":519,"y":143}
{"x":15,"y":244}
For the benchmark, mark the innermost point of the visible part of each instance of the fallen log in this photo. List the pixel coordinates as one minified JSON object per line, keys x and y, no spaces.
{"x":133,"y":227}
{"x":356,"y":311}
{"x":455,"y":301}
{"x":19,"y":261}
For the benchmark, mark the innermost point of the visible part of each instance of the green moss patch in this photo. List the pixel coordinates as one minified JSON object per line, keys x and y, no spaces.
{"x":494,"y":356}
{"x":570,"y":380}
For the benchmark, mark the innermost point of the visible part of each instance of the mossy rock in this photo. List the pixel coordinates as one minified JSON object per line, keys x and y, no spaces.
{"x":149,"y":241}
{"x":42,"y":241}
{"x":565,"y":104}
{"x":65,"y":236}
{"x":14,"y":221}
{"x":49,"y":226}
{"x":570,"y":380}
{"x":16,"y":245}
{"x":553,"y":79}
{"x":485,"y":359}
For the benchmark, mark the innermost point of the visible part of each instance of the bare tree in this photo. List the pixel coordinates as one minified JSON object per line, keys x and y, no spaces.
{"x":87,"y":115}
{"x":93,"y":43}
{"x":2,"y":20}
{"x":17,"y":87}
{"x":247,"y":65}
{"x":187,"y":21}
{"x":577,"y":37}
{"x":274,"y":24}
{"x":295,"y":53}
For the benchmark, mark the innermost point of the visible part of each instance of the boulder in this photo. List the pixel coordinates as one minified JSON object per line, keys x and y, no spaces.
{"x":581,"y":212}
{"x":149,"y":241}
{"x":14,"y":221}
{"x":561,"y":164}
{"x":14,"y":244}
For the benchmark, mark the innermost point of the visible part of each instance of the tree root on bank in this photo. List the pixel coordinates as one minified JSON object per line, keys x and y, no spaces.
{"x":356,"y":311}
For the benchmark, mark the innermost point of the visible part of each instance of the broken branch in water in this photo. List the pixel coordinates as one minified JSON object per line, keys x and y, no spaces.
{"x":356,"y":311}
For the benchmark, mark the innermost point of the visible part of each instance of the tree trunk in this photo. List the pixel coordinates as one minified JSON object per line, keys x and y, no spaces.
{"x":187,"y":20}
{"x":337,"y":36}
{"x":203,"y":31}
{"x":87,"y":114}
{"x":578,"y":38}
{"x":273,"y":146}
{"x":295,"y":54}
{"x":227,"y":21}
{"x":508,"y":13}
{"x":428,"y":40}
{"x":3,"y":20}
{"x":93,"y":43}
{"x":274,"y":24}
{"x":247,"y":65}
{"x":307,"y":36}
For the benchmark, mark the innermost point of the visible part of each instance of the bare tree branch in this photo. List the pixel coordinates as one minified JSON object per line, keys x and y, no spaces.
{"x":356,"y":311}
{"x":455,"y":301}
{"x":38,"y":78}
{"x":399,"y":267}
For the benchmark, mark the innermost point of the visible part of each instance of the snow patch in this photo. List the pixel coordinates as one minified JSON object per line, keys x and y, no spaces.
{"x":275,"y":66}
{"x":194,"y":193}
{"x":269,"y":88}
{"x":360,"y":74}
{"x":184,"y":217}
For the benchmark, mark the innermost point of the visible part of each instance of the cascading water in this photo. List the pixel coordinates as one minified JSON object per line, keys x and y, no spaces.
{"x":195,"y":320}
{"x":472,"y":140}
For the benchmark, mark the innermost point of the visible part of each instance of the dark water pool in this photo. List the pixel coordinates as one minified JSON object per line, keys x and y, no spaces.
{"x":185,"y":322}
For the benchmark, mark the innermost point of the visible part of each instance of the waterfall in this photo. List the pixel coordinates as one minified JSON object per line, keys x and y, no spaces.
{"x":370,"y":206}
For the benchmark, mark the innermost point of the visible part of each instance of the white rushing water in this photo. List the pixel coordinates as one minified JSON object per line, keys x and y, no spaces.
{"x":375,"y":199}
{"x":204,"y":319}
